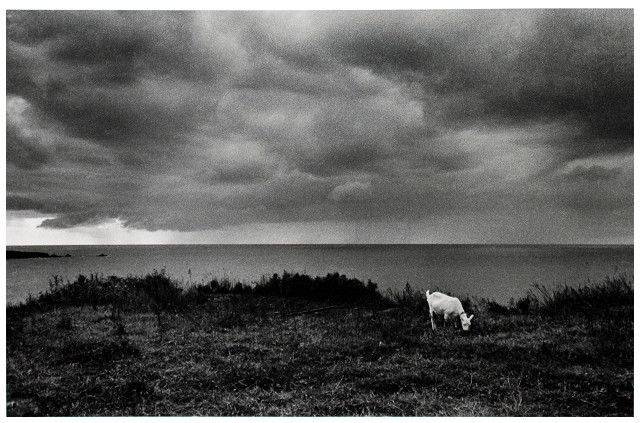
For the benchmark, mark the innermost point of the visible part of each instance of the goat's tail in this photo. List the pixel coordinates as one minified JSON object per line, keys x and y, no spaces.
{"x":427,"y":293}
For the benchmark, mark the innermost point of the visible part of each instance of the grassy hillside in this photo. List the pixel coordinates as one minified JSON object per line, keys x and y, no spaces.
{"x":146,"y":346}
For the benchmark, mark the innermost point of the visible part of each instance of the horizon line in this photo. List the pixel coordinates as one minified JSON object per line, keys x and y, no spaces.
{"x":334,"y":244}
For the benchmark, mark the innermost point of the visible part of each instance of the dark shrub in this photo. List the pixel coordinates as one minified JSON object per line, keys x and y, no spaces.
{"x":332,"y":287}
{"x":524,"y":305}
{"x":494,"y":307}
{"x":157,"y":292}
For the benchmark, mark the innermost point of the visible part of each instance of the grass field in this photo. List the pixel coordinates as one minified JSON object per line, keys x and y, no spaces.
{"x":145,"y":346}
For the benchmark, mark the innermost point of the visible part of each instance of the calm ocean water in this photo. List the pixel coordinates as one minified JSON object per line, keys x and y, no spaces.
{"x":500,"y":272}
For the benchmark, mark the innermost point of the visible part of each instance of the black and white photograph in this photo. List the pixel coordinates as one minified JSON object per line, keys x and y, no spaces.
{"x":328,"y":213}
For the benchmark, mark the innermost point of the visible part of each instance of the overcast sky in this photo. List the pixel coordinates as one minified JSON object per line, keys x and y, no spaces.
{"x":507,"y":126}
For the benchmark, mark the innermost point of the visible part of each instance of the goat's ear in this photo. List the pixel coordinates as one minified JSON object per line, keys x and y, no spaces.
{"x":471,"y":317}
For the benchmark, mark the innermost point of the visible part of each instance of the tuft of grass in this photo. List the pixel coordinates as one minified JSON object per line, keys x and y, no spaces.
{"x":410,"y":298}
{"x":614,"y":291}
{"x":590,"y":300}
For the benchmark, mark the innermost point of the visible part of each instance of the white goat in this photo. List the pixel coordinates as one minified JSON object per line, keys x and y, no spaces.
{"x":448,"y":307}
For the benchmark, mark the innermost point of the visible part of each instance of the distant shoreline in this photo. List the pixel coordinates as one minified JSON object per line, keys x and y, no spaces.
{"x":13,"y":255}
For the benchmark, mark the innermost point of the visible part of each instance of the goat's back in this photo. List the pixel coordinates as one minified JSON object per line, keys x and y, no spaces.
{"x":444,"y":304}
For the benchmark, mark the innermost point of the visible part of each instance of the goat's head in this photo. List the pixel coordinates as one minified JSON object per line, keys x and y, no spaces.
{"x":465,"y":321}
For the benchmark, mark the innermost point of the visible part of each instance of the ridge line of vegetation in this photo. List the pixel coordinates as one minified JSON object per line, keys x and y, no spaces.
{"x":157,"y":291}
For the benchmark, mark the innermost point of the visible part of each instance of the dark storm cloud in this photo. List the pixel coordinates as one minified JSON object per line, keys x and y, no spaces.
{"x":111,"y":76}
{"x":577,"y":64}
{"x":517,"y":65}
{"x":73,"y":219}
{"x":15,"y":202}
{"x":46,"y":205}
{"x":199,"y":120}
{"x":24,"y":152}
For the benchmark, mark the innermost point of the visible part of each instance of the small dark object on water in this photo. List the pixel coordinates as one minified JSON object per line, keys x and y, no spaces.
{"x":102,"y":255}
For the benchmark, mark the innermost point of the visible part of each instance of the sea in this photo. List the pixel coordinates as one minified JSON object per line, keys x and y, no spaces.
{"x":498,"y":272}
